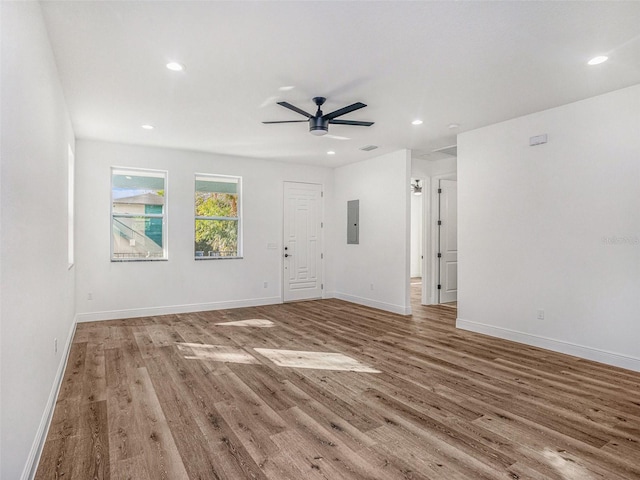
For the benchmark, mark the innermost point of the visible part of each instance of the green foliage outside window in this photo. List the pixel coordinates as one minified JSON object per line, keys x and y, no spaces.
{"x":216,"y":236}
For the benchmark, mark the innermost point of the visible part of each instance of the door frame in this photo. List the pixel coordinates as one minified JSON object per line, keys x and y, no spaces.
{"x":430,"y":239}
{"x":321,"y":236}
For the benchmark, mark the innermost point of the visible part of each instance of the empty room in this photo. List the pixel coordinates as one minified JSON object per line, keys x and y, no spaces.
{"x":287,"y":240}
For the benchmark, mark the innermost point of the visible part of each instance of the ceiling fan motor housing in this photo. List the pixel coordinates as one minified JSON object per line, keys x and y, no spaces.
{"x":318,"y":126}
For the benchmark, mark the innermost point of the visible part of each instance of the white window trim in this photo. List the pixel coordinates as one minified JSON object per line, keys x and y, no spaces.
{"x":164,"y":215}
{"x":70,"y":208}
{"x":240,"y":255}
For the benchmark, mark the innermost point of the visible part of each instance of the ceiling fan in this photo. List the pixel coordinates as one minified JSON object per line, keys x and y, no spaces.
{"x":319,"y":123}
{"x":416,"y":188}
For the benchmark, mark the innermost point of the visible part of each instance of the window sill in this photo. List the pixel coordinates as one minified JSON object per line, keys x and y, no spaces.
{"x":217,"y":258}
{"x":127,"y":260}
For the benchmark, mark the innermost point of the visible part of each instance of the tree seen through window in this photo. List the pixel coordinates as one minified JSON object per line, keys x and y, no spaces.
{"x":217,"y":216}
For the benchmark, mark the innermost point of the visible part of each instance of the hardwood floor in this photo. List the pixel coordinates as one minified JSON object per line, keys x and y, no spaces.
{"x":179,"y":397}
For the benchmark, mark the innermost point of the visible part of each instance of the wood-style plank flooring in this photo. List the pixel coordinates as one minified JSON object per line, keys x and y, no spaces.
{"x":179,"y":397}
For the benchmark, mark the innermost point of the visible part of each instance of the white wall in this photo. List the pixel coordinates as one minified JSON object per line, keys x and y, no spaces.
{"x":555,"y":227}
{"x":382,"y":256}
{"x":126,"y":289}
{"x":37,"y":286}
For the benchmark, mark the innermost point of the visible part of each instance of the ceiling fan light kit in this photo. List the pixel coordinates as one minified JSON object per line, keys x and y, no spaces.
{"x":319,"y":123}
{"x":317,"y":126}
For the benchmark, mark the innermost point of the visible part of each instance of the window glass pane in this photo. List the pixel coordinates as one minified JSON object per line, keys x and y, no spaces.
{"x":133,"y":194}
{"x":137,"y":237}
{"x":216,"y":184}
{"x":216,"y":198}
{"x":217,"y":211}
{"x":216,"y":205}
{"x":216,"y":238}
{"x":138,"y":214}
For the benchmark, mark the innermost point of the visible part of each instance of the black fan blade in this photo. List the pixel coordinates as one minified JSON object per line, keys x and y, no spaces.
{"x":295,"y":109}
{"x":344,"y":111}
{"x":289,"y":121}
{"x":351,"y":122}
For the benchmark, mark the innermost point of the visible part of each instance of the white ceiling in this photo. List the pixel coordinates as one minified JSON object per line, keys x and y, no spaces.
{"x":470,"y":63}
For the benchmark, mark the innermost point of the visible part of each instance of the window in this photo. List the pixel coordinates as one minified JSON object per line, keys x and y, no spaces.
{"x":217,"y":212}
{"x":70,"y":206}
{"x":138,"y":215}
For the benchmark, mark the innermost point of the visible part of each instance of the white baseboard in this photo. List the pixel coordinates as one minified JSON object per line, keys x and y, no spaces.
{"x":33,"y":459}
{"x":388,"y":307}
{"x":589,"y":353}
{"x":169,"y":309}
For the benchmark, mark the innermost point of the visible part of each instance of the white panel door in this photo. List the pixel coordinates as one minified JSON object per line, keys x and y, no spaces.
{"x":448,"y":241}
{"x":302,"y":241}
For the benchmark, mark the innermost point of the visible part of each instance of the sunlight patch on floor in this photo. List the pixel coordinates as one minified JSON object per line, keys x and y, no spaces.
{"x":282,"y":358}
{"x":565,"y":466}
{"x":315,"y":360}
{"x":216,"y":353}
{"x":252,"y":322}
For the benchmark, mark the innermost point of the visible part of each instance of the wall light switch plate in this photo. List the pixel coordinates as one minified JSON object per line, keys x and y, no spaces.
{"x":538,"y":140}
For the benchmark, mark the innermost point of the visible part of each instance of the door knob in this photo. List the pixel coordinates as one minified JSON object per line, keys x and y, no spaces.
{"x":287,"y":255}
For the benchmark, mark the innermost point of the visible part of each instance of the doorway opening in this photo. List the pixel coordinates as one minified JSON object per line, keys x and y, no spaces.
{"x":433,"y":239}
{"x":416,"y":263}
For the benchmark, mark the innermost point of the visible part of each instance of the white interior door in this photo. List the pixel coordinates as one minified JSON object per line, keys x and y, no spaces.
{"x":448,"y":241}
{"x":302,"y":241}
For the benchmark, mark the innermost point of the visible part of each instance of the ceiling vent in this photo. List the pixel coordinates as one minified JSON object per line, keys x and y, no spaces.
{"x":450,"y":150}
{"x":368,"y":148}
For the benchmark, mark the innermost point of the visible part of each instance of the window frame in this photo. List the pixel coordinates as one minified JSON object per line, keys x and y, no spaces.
{"x":71,"y":162}
{"x":238,"y":219}
{"x":140,"y":172}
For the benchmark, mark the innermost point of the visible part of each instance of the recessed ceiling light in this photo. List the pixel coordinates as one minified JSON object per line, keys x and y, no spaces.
{"x":331,"y":152}
{"x":286,"y":88}
{"x":147,"y":126}
{"x":453,"y":125}
{"x":417,"y":122}
{"x":175,"y":66}
{"x":598,"y":60}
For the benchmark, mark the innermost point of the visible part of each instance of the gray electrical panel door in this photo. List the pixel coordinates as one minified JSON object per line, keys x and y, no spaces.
{"x":353,"y":221}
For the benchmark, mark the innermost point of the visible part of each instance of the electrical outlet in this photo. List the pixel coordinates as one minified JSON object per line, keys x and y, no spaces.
{"x":265,"y":284}
{"x":89,"y":296}
{"x":372,"y":286}
{"x":55,"y":345}
{"x":540,"y":314}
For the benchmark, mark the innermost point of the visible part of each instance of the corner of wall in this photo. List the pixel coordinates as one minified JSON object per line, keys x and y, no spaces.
{"x":375,"y":272}
{"x":33,"y":459}
{"x":568,"y":348}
